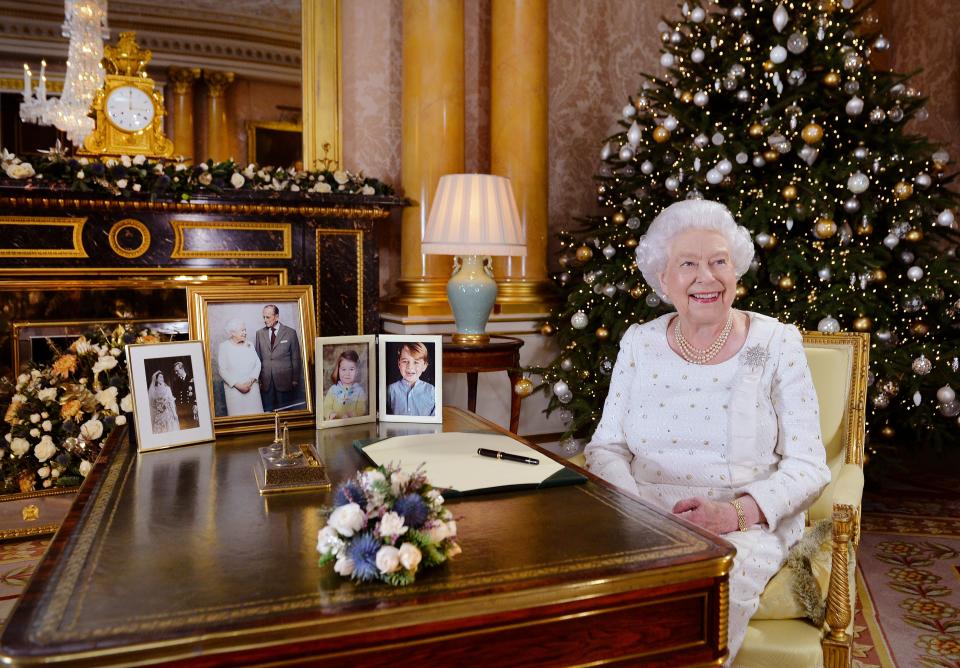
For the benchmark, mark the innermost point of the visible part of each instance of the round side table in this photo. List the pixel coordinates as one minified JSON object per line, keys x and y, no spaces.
{"x":502,"y":353}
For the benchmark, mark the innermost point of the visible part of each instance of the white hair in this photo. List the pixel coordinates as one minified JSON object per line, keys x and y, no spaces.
{"x":233,"y":325}
{"x":692,"y":214}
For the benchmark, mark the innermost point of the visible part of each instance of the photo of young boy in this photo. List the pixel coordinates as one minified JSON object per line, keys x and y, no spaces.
{"x":410,"y":378}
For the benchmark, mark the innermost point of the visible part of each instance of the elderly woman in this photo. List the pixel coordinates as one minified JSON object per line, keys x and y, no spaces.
{"x":240,"y":371}
{"x":711,"y":413}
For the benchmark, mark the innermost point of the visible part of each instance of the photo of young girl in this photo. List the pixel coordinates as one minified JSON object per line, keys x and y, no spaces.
{"x":345,"y":374}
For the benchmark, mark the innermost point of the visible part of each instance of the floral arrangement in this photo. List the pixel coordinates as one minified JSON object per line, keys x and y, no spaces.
{"x":60,"y":414}
{"x":386,"y":525}
{"x":128,"y":176}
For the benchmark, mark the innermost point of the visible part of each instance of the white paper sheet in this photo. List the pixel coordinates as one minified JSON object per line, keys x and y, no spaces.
{"x":451,"y":461}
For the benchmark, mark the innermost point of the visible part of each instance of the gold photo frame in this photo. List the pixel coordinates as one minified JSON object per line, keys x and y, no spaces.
{"x":277,"y":143}
{"x":252,"y":371}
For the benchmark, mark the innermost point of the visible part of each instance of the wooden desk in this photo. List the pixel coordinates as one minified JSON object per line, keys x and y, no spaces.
{"x":502,"y":353}
{"x":172,"y":557}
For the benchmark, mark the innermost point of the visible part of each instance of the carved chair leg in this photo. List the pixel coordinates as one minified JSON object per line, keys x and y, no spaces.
{"x":837,"y":642}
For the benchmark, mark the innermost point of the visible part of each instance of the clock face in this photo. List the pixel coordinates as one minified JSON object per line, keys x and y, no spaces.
{"x":130,"y":108}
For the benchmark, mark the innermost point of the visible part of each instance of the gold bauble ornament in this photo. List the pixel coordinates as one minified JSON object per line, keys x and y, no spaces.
{"x":631,"y":243}
{"x":862,"y":324}
{"x":902,"y":190}
{"x":771,"y":155}
{"x":584,"y":254}
{"x":585,"y":374}
{"x":789,"y":193}
{"x":913,"y":235}
{"x":741,"y":291}
{"x":772,"y":243}
{"x":919,"y":328}
{"x":619,"y":218}
{"x":546,"y":329}
{"x":768,"y":66}
{"x":887,"y":431}
{"x":864,"y":227}
{"x":524,"y":387}
{"x":878,"y":275}
{"x":824,"y":229}
{"x":786,"y":283}
{"x":660,"y":134}
{"x":756,"y":130}
{"x":831,"y":79}
{"x":812,"y":133}
{"x":603,"y":333}
{"x":636,"y":292}
{"x":686,"y":97}
{"x":828,"y":6}
{"x":939,"y":166}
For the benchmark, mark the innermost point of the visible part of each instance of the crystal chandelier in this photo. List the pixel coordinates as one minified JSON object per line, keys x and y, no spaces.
{"x":85,"y":25}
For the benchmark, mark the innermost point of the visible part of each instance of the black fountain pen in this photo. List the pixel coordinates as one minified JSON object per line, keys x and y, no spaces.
{"x":496,"y":454}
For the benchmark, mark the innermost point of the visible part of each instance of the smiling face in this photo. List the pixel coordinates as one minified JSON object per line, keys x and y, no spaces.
{"x":239,"y":335}
{"x":347,"y":372}
{"x":699,"y":277}
{"x":410,"y":367}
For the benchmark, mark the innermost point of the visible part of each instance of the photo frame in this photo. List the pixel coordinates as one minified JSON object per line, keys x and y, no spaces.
{"x":339,"y":359}
{"x":171,"y":396}
{"x":252,"y":371}
{"x":390,"y":388}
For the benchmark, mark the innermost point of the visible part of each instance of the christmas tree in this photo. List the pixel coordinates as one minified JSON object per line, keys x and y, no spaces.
{"x":774,"y":110}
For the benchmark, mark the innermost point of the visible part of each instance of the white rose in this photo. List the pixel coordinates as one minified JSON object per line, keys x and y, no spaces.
{"x":321,"y":187}
{"x":367,"y":190}
{"x":44,"y":414}
{"x":179,"y":167}
{"x":203,"y":166}
{"x":237,"y":180}
{"x":80,"y":175}
{"x":84,"y":161}
{"x":23,"y":378}
{"x":8,"y":437}
{"x":34,"y":374}
{"x":136,"y":187}
{"x":388,"y":559}
{"x":47,"y":483}
{"x":206,"y":178}
{"x":120,"y":420}
{"x":398,"y":481}
{"x":47,"y":425}
{"x":391,"y":524}
{"x":19,"y":446}
{"x":410,"y":556}
{"x":452,"y":528}
{"x":158,"y":168}
{"x":126,"y":404}
{"x":328,"y":541}
{"x":104,"y":363}
{"x":438,"y":532}
{"x":91,"y":429}
{"x":343,"y":566}
{"x":45,"y":449}
{"x":341,"y":176}
{"x":85,"y":467}
{"x":347,"y":519}
{"x":108,"y":397}
{"x":294,"y":188}
{"x":126,"y":162}
{"x":121,"y":183}
{"x":43,"y":471}
{"x":371,"y":478}
{"x":139,"y":159}
{"x":35,"y":418}
{"x":248,"y":172}
{"x":115,"y":352}
{"x":24,"y":170}
{"x":55,"y":473}
{"x":35,"y":432}
{"x":47,"y":394}
{"x":435,"y":497}
{"x":110,"y":162}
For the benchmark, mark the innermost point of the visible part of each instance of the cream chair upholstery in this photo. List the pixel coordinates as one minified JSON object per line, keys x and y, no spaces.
{"x":838,"y":363}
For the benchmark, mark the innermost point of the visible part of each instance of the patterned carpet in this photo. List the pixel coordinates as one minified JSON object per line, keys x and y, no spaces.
{"x":908,"y":575}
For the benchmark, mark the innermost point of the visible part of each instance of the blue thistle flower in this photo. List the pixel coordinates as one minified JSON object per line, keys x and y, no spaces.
{"x":413,"y":509}
{"x":98,"y":169}
{"x":350,"y":492}
{"x":363,"y":550}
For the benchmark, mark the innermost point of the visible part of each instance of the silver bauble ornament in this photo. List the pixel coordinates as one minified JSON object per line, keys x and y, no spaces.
{"x":895,"y":114}
{"x":778,"y":54}
{"x":878,"y":115}
{"x":737,"y":70}
{"x":629,"y":111}
{"x":891,"y":241}
{"x":606,"y":366}
{"x":652,"y":300}
{"x":861,"y":153}
{"x":797,"y":43}
{"x":609,"y":290}
{"x":626,"y":152}
{"x":633,"y":222}
{"x":667,"y":60}
{"x":950,"y":408}
{"x":565,"y":415}
{"x":560,"y":387}
{"x":851,"y":87}
{"x":921,"y":366}
{"x":917,"y":398}
{"x":566,"y":364}
{"x":701,"y":140}
{"x":724,"y":167}
{"x":923,"y":180}
{"x":914,"y":273}
{"x":697,"y":55}
{"x":851,"y":205}
{"x":945,"y":218}
{"x":907,"y":257}
{"x":762,"y":239}
{"x":564,"y":277}
{"x":697,"y":15}
{"x":737,"y":12}
{"x":606,"y":151}
{"x":828,"y":325}
{"x":780,"y":18}
{"x":634,"y":134}
{"x":579,"y":320}
{"x":946,"y":394}
{"x":609,"y":251}
{"x":742,"y":158}
{"x":670,"y":123}
{"x":671,"y":183}
{"x":854,"y":106}
{"x":881,"y":43}
{"x":566,"y":397}
{"x":700,"y":98}
{"x":883,"y":335}
{"x":881,"y":400}
{"x":569,"y":447}
{"x":743,"y":95}
{"x":858,"y":182}
{"x":824,"y":273}
{"x":758,"y":161}
{"x":714,"y":177}
{"x":646,"y":167}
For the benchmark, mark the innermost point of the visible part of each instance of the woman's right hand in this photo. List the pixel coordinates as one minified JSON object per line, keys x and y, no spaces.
{"x":243,"y":388}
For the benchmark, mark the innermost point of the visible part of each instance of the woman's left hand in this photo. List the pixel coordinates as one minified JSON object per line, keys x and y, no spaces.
{"x":715,"y":517}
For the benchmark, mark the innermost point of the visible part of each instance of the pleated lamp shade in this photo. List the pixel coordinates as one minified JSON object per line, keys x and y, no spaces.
{"x":473,"y":214}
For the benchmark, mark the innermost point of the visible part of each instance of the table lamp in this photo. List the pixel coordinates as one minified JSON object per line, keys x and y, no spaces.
{"x":473,"y":216}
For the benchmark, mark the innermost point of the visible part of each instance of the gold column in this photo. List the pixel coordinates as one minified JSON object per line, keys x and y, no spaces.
{"x":218,"y":139}
{"x":433,"y":131}
{"x":322,"y":82}
{"x":518,"y":142}
{"x":181,"y":108}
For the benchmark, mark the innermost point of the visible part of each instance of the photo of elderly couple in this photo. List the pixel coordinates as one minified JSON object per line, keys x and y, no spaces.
{"x":257,"y":358}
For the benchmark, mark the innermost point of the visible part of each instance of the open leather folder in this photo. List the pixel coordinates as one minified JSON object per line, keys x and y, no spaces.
{"x":452,"y":463}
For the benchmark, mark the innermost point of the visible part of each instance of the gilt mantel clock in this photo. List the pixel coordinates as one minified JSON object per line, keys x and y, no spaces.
{"x":128,"y":110}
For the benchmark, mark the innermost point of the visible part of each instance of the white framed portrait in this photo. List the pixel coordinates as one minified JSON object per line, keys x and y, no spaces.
{"x":346,"y":380}
{"x":171,"y":401}
{"x":410,"y":377}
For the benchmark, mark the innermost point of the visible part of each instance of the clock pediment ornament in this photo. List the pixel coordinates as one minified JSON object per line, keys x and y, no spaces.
{"x":128,"y":110}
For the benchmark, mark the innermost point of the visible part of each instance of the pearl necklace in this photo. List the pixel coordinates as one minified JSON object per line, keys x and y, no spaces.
{"x":695,"y":355}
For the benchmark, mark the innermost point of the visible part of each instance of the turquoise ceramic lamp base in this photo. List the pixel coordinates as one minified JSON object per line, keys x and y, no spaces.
{"x":471,"y":291}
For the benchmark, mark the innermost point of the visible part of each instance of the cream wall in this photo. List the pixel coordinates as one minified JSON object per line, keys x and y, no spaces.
{"x":597,"y":51}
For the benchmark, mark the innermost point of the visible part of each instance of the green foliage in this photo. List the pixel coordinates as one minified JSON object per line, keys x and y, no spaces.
{"x":778,"y":143}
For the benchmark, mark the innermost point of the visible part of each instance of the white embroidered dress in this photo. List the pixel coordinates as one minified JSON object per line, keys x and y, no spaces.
{"x":749,"y":425}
